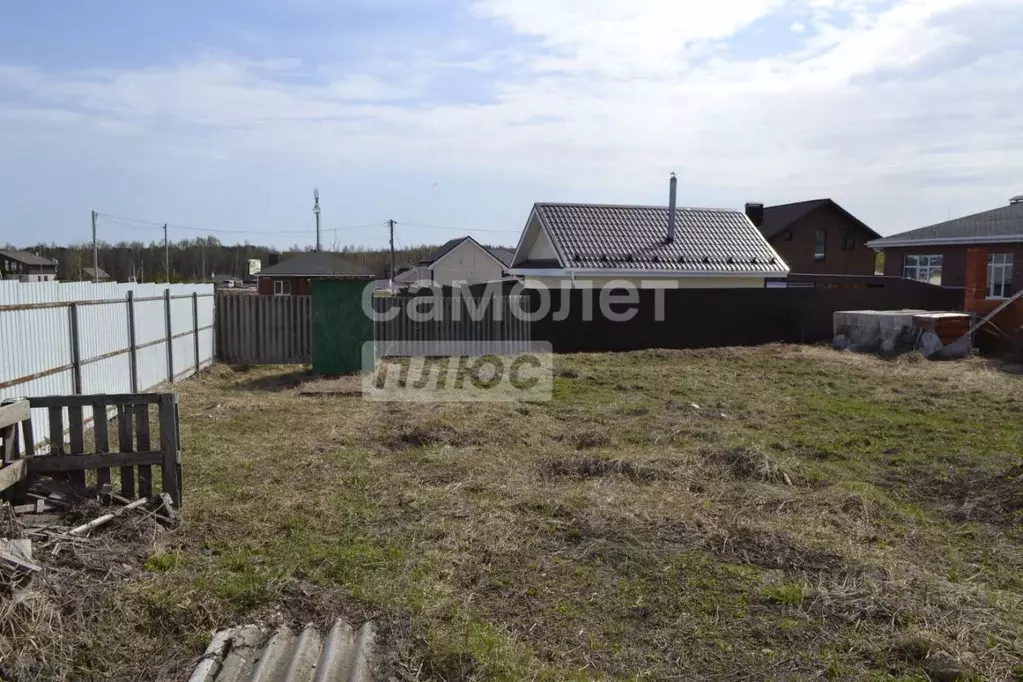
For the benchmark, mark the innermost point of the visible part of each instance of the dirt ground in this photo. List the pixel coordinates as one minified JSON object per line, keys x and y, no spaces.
{"x":771,"y":513}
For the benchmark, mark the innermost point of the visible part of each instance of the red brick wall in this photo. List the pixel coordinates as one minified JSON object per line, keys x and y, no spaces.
{"x":299,"y":285}
{"x":1009,"y":320}
{"x":799,"y":253}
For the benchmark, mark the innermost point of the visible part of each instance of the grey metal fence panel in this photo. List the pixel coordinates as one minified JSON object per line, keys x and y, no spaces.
{"x":264,"y":330}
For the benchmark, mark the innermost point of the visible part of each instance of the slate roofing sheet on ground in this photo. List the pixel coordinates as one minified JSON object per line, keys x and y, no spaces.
{"x":634,"y":238}
{"x":252,"y":653}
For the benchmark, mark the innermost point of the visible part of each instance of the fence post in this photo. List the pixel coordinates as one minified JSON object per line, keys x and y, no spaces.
{"x":170,"y":463}
{"x":170,"y":337}
{"x":133,"y":359}
{"x":195,"y":327}
{"x":76,"y":351}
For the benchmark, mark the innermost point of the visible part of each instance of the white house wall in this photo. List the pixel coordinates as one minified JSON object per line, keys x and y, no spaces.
{"x":467,"y":262}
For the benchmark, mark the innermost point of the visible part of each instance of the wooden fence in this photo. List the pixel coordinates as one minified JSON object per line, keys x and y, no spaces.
{"x":128,"y":467}
{"x":450,"y":325}
{"x":264,"y":330}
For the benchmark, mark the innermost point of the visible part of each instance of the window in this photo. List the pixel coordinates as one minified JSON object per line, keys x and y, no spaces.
{"x":848,"y":240}
{"x":999,"y":275}
{"x":282,"y":288}
{"x":820,"y":244}
{"x":923,"y":269}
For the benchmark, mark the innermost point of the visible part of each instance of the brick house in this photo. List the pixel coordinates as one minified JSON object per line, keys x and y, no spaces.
{"x":1006,"y":330}
{"x":938,"y":253}
{"x":816,"y":237}
{"x":28,"y":266}
{"x":291,"y":277}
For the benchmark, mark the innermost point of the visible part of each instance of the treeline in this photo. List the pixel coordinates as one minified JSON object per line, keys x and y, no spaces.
{"x":202,"y":259}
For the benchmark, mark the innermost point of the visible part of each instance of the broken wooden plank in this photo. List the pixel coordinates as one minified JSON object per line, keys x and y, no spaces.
{"x":97,"y":522}
{"x":12,"y":473}
{"x":169,"y":509}
{"x":39,"y":465}
{"x":13,"y":413}
{"x":13,"y":556}
{"x":59,"y":401}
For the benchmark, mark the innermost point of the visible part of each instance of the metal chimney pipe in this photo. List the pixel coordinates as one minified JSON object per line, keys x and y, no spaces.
{"x":672,"y":194}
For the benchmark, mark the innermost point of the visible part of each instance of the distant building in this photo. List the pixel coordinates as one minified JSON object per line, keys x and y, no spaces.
{"x":88,"y":275}
{"x":938,"y":253}
{"x":817,"y":237}
{"x":591,"y":245}
{"x":291,"y":277}
{"x":461,"y":260}
{"x":27,"y":267}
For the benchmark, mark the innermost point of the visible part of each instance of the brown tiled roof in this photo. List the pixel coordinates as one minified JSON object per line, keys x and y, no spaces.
{"x":707,"y":240}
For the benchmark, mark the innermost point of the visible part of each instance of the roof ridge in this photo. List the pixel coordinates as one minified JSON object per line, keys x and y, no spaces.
{"x":645,"y":206}
{"x":797,"y":203}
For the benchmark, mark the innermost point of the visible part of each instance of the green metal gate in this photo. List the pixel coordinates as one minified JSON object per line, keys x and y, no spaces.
{"x":340,"y":326}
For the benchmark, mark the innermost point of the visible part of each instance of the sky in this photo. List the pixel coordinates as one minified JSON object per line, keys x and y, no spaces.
{"x":455,"y":116}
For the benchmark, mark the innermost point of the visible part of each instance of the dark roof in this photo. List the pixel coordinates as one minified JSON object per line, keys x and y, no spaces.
{"x":778,"y":218}
{"x":315,"y":264}
{"x":986,"y":226}
{"x":27,"y":258}
{"x":442,"y":250}
{"x":634,"y":238}
{"x":88,"y":273}
{"x":503,"y":255}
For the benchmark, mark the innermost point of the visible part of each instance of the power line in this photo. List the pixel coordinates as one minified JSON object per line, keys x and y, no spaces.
{"x":117,"y":219}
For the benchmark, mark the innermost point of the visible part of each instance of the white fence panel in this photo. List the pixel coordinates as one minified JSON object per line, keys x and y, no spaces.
{"x":76,"y":338}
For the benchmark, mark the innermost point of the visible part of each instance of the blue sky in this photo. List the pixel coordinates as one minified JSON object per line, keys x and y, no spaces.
{"x":459,"y":114}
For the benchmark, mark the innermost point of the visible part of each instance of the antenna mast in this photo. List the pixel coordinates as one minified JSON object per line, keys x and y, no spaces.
{"x":316,"y":212}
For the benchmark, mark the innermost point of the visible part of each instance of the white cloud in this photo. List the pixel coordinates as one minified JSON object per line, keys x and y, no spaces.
{"x":882,"y":105}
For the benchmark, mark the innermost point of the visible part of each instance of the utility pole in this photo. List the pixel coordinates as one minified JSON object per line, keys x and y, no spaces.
{"x":390,"y":224}
{"x":166,"y":253}
{"x":95,"y":252}
{"x":316,"y":212}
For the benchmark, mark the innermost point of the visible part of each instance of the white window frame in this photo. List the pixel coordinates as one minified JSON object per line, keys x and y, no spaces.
{"x":282,"y":287}
{"x":922,"y":267}
{"x":999,"y":275}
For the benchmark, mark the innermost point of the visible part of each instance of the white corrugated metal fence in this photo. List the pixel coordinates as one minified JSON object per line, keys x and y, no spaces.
{"x":83,"y":338}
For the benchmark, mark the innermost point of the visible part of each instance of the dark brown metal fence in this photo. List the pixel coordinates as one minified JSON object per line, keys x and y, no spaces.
{"x":703,"y":318}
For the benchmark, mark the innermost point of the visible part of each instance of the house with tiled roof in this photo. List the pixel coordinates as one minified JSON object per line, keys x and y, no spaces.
{"x":291,"y":277}
{"x":938,"y":253}
{"x":460,"y":260}
{"x":589,"y":245}
{"x":816,"y":236}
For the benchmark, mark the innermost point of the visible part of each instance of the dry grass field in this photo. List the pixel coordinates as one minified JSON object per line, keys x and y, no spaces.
{"x":774,"y":513}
